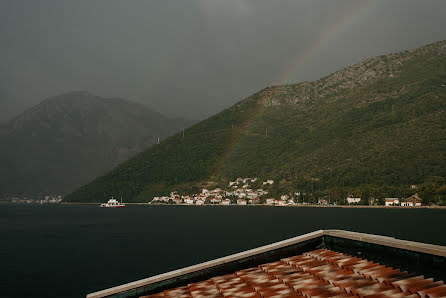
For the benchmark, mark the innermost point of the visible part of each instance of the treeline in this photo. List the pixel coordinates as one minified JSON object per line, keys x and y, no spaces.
{"x":431,"y":192}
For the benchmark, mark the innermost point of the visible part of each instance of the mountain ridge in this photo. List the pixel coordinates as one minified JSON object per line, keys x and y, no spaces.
{"x":75,"y":131}
{"x":335,"y":134}
{"x":367,"y":71}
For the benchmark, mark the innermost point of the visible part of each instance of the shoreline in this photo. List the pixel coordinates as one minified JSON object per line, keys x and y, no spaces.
{"x":235,"y":205}
{"x":297,"y":206}
{"x":264,"y":205}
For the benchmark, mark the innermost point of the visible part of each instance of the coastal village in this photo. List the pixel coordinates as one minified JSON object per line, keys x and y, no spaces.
{"x":47,"y":199}
{"x":240,"y":192}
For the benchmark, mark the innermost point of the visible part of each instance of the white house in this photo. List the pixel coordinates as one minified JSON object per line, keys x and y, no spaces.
{"x":216,"y":200}
{"x":281,"y":203}
{"x":392,"y":201}
{"x":351,"y":200}
{"x":241,"y":194}
{"x":269,"y":181}
{"x":322,"y":202}
{"x":241,"y":202}
{"x":226,"y":202}
{"x":414,"y":200}
{"x":270,"y":201}
{"x":199,"y":202}
{"x":251,"y":194}
{"x":189,"y":201}
{"x":254,"y":201}
{"x":216,"y":191}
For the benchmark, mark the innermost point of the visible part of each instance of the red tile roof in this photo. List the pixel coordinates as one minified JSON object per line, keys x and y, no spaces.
{"x":319,"y":273}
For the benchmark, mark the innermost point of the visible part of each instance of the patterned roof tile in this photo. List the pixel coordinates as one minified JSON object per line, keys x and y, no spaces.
{"x":319,"y":273}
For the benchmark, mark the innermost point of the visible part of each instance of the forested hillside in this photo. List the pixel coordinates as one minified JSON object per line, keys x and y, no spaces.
{"x":374,"y":128}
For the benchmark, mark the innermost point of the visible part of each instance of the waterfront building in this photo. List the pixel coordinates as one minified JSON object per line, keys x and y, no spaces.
{"x":241,"y":202}
{"x":281,"y":203}
{"x":254,"y":201}
{"x":392,"y":201}
{"x":322,"y":202}
{"x":414,"y":200}
{"x":216,"y":200}
{"x":189,"y":201}
{"x":270,"y":201}
{"x":351,"y":200}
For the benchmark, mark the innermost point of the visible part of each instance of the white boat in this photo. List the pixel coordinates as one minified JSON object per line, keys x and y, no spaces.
{"x":113,"y":203}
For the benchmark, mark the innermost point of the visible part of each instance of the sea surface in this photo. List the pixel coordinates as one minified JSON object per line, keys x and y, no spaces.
{"x":71,"y":250}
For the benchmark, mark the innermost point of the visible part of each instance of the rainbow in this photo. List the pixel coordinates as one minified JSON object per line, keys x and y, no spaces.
{"x":329,"y":33}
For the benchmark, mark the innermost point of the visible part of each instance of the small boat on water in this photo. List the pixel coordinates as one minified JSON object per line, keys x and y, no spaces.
{"x":113,"y":203}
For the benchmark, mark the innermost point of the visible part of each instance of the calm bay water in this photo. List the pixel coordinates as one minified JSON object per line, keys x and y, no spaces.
{"x":72,"y":250}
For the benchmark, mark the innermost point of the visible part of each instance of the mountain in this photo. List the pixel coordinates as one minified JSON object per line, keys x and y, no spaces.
{"x":378,"y":126}
{"x":67,"y":140}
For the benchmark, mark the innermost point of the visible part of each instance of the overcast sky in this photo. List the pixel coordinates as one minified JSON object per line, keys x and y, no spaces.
{"x":193,"y":58}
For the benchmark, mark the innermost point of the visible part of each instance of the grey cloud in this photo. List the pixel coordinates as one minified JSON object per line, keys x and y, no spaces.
{"x":190,"y":58}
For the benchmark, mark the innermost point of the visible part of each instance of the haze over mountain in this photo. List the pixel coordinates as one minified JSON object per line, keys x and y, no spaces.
{"x":195,"y":57}
{"x":67,"y":140}
{"x":377,"y":125}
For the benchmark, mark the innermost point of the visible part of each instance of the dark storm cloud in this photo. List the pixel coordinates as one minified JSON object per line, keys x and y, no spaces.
{"x":191,"y":58}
